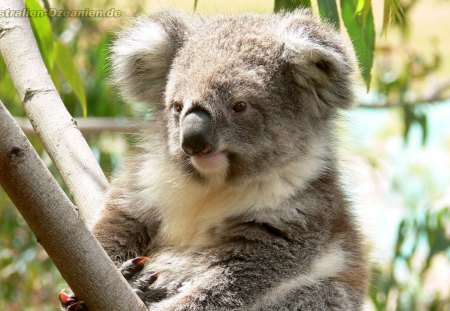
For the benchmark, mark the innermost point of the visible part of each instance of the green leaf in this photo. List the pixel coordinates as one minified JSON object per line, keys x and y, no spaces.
{"x":66,"y":65}
{"x":54,"y":74}
{"x":46,"y":4}
{"x":2,"y":69}
{"x":393,"y":13}
{"x":363,"y":8}
{"x":423,"y":122}
{"x":360,"y":6}
{"x":361,"y":30}
{"x":42,"y":31}
{"x":386,"y":15}
{"x":290,"y":5}
{"x":328,"y":11}
{"x":195,"y":5}
{"x":408,"y":118}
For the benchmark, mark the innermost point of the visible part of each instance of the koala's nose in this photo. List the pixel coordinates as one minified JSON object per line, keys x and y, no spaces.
{"x":196,"y":133}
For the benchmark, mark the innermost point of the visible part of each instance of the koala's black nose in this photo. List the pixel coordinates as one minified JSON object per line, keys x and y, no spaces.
{"x":196,"y":133}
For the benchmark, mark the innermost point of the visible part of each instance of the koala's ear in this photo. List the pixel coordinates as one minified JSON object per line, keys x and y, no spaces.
{"x":142,"y":55}
{"x":319,"y":60}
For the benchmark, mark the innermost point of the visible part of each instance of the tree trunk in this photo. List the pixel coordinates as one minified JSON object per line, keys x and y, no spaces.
{"x":58,"y":226}
{"x":50,"y":119}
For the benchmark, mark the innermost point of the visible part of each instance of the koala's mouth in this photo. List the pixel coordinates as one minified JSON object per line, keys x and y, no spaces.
{"x":213,"y":163}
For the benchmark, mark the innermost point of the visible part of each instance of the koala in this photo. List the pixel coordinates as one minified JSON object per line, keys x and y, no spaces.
{"x":232,"y":198}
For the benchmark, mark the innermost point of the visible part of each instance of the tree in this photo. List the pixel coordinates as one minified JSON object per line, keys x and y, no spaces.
{"x":59,"y":226}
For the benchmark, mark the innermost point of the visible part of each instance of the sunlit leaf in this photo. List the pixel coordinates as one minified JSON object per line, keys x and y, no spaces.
{"x":392,"y":11}
{"x":386,"y":15}
{"x":363,"y":8}
{"x":290,"y":5}
{"x":362,"y":34}
{"x":43,"y":32}
{"x":395,"y":13}
{"x":360,"y":6}
{"x":66,"y":65}
{"x":328,"y":11}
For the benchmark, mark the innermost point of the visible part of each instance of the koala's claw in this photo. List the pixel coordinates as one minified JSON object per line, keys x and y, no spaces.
{"x":70,"y":302}
{"x":78,"y":306}
{"x":143,"y":282}
{"x":133,"y":266}
{"x":140,"y":282}
{"x":66,"y":299}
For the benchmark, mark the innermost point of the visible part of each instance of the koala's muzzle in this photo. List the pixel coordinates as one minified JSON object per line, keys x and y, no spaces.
{"x":197,"y":136}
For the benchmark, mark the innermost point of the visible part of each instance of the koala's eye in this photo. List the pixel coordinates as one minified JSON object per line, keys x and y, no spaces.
{"x":177,"y":107}
{"x":239,"y":106}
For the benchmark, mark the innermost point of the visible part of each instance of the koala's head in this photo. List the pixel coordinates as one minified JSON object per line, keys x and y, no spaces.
{"x":239,"y":96}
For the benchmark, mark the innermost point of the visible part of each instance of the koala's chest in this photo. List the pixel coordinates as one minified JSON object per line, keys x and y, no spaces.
{"x":189,"y":218}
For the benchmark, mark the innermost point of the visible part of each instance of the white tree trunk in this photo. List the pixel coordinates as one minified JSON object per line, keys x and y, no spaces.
{"x":48,"y":115}
{"x":58,"y":226}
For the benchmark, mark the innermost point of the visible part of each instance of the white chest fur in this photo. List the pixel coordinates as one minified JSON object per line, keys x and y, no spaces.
{"x":188,"y":209}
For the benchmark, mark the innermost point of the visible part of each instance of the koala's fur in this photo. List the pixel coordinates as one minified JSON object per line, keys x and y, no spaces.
{"x":269,"y":227}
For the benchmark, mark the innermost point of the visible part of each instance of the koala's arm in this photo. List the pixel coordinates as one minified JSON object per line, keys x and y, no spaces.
{"x":258,"y":288}
{"x":122,"y":236}
{"x":270,"y":273}
{"x":323,"y":295}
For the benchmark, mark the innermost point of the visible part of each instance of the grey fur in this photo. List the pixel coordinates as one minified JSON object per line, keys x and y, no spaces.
{"x":263,"y":235}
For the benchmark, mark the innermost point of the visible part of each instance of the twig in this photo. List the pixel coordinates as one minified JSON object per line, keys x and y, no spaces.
{"x":91,"y":126}
{"x":433,"y":95}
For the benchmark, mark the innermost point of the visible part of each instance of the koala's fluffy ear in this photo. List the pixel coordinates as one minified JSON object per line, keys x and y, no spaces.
{"x":318,"y":58}
{"x":142,"y":55}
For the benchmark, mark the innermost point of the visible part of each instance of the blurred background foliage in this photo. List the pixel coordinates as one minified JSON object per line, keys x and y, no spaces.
{"x":398,"y":137}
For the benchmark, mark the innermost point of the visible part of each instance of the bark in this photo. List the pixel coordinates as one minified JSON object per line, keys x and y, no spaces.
{"x":58,"y":226}
{"x":50,"y":119}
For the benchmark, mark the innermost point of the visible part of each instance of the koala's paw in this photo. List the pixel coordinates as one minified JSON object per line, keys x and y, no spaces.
{"x":70,"y":303}
{"x":142,"y":282}
{"x":129,"y":270}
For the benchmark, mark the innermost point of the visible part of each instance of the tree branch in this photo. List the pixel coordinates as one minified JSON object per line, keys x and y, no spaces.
{"x":433,"y":95}
{"x":390,"y":105}
{"x":53,"y":124}
{"x":56,"y":223}
{"x":90,"y":126}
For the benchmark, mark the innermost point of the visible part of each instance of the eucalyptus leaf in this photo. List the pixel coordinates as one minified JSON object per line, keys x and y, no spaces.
{"x":360,"y":6}
{"x":54,"y":74}
{"x":42,"y":31}
{"x":408,"y":119}
{"x":423,"y":122}
{"x":328,"y":11}
{"x":361,"y":30}
{"x":66,"y":65}
{"x":290,"y":5}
